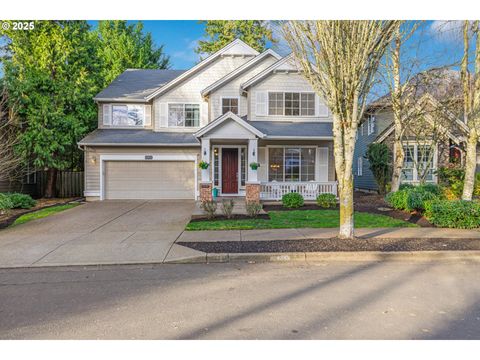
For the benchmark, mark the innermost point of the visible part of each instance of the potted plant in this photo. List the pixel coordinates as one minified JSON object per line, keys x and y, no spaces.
{"x":203,"y":165}
{"x":254,"y":165}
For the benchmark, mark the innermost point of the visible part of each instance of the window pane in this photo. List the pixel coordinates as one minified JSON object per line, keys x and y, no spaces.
{"x":409,"y":156}
{"x":120,"y":115}
{"x":292,"y":104}
{"x":275,"y":103}
{"x":292,"y":164}
{"x":135,"y":115}
{"x":230,"y":104}
{"x":176,"y":115}
{"x":308,"y":164}
{"x":308,"y":104}
{"x":242,"y":166}
{"x":407,"y":174}
{"x":275,"y":164}
{"x":192,"y":115}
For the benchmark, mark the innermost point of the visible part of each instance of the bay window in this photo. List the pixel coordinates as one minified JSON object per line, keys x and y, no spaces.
{"x":291,"y":164}
{"x":291,"y":104}
{"x":128,"y":115}
{"x":183,"y":115}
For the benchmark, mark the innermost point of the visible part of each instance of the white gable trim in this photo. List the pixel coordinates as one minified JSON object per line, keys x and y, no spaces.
{"x":201,"y":65}
{"x":279,"y":65}
{"x":217,"y":84}
{"x":221,"y":119}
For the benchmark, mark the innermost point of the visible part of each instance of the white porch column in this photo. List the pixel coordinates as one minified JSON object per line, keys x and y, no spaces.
{"x":252,"y":157}
{"x":206,"y":157}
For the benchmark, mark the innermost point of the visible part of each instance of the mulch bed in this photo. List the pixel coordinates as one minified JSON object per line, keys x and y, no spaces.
{"x":9,"y":218}
{"x":334,"y":244}
{"x":234,"y":217}
{"x":369,"y":203}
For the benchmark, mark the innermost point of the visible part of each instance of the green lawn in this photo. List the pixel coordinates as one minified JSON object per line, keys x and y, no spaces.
{"x":43,"y":213}
{"x":299,"y":219}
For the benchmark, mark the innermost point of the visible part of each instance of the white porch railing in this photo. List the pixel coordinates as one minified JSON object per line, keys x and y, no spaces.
{"x":309,"y":190}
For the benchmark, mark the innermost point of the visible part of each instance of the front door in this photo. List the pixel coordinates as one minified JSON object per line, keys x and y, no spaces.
{"x":229,"y":171}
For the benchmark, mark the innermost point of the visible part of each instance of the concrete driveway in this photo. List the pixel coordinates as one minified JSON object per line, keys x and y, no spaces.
{"x":107,"y":232}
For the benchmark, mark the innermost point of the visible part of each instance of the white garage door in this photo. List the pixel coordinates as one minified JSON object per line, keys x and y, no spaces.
{"x":149,"y":180}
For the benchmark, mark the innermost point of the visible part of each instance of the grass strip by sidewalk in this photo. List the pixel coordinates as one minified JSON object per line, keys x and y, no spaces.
{"x":299,"y":219}
{"x":43,"y":213}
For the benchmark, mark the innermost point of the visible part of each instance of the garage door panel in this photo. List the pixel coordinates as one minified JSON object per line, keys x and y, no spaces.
{"x":149,"y":180}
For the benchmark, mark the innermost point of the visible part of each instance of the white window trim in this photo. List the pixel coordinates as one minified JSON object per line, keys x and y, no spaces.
{"x":359,"y":166}
{"x":111,"y":125}
{"x":229,"y":97}
{"x":415,"y":179}
{"x":141,"y":157}
{"x":267,"y":160}
{"x":184,"y":103}
{"x":241,"y":189}
{"x":361,"y":129}
{"x":300,"y":101}
{"x":371,"y":125}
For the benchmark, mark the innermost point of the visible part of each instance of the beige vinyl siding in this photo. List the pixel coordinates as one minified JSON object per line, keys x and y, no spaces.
{"x":190,"y":91}
{"x":149,"y":180}
{"x":92,"y":167}
{"x":232,"y":89}
{"x":263,"y":155}
{"x":281,"y":82}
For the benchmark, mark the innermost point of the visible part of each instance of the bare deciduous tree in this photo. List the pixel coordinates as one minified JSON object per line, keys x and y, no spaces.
{"x":471,"y":102}
{"x":340,"y":59}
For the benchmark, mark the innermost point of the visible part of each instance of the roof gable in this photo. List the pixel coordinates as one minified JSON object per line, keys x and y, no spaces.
{"x":236,"y":47}
{"x":285,"y":64}
{"x":225,"y":117}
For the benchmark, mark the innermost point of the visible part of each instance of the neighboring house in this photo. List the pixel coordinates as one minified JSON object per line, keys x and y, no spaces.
{"x":234,"y":108}
{"x":378,"y":127}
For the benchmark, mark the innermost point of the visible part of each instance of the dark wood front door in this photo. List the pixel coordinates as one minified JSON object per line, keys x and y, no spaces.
{"x":229,"y":171}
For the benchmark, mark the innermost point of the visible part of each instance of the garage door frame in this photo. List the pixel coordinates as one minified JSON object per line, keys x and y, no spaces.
{"x":145,"y":158}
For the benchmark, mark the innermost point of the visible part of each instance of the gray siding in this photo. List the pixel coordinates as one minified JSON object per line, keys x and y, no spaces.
{"x":367,"y":181}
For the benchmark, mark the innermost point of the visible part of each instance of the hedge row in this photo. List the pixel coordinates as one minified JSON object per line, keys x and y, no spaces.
{"x":16,"y":200}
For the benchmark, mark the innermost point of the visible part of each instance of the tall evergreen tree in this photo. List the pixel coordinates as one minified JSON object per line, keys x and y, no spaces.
{"x":50,"y":74}
{"x":123,"y":46}
{"x":219,"y":33}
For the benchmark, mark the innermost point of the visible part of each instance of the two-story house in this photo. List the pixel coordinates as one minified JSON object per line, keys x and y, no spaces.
{"x":234,"y":109}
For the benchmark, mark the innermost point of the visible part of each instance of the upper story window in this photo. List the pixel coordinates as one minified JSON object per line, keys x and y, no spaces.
{"x":230,"y":104}
{"x":128,"y":115}
{"x":183,"y":115}
{"x":371,"y":125}
{"x":291,"y":104}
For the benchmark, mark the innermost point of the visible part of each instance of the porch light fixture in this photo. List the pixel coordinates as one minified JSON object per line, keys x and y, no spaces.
{"x":204,"y":152}
{"x":93,"y":159}
{"x":253,"y":152}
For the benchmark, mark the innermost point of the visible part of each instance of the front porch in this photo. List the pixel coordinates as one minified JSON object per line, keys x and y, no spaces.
{"x":243,"y":162}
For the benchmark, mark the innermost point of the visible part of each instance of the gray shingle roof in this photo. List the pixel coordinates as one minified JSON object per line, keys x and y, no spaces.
{"x":300,"y":129}
{"x":137,"y":137}
{"x":136,"y":84}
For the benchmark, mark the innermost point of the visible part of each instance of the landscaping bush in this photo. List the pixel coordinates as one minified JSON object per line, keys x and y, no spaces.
{"x":431,"y":188}
{"x":227,"y":207}
{"x":22,"y":201}
{"x":457,"y":214}
{"x":397,"y":199}
{"x":253,"y":208}
{"x":416,"y":199}
{"x":210,"y":207}
{"x":5,"y":203}
{"x":380,"y":164}
{"x":292,"y":200}
{"x":326,"y":200}
{"x":405,"y":186}
{"x":410,"y":198}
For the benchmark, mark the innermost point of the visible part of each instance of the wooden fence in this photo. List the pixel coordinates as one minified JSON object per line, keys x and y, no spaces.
{"x":69,"y":183}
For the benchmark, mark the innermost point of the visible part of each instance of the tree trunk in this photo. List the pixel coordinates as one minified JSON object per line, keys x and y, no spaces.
{"x":397,"y":106}
{"x":398,"y":159}
{"x":50,"y":190}
{"x":470,"y":165}
{"x":345,"y":194}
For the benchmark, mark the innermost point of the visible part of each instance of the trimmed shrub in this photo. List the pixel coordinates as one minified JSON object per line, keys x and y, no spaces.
{"x":431,"y":188}
{"x":416,"y":199}
{"x":22,"y":201}
{"x":227,"y":207}
{"x":397,"y":199}
{"x":210,"y":207}
{"x":253,"y":208}
{"x":5,"y":202}
{"x":292,"y":200}
{"x":406,"y":186}
{"x":326,"y":200}
{"x":457,"y":214}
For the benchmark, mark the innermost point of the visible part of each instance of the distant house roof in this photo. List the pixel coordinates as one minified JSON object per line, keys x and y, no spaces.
{"x":137,"y":84}
{"x":138,"y":137}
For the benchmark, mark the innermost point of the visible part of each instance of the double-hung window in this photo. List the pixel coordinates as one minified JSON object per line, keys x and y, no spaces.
{"x":291,"y":164}
{"x":230,"y":104}
{"x":360,"y":166}
{"x":128,"y":115}
{"x":371,"y":125}
{"x":183,"y":115}
{"x":419,"y":163}
{"x":291,"y":104}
